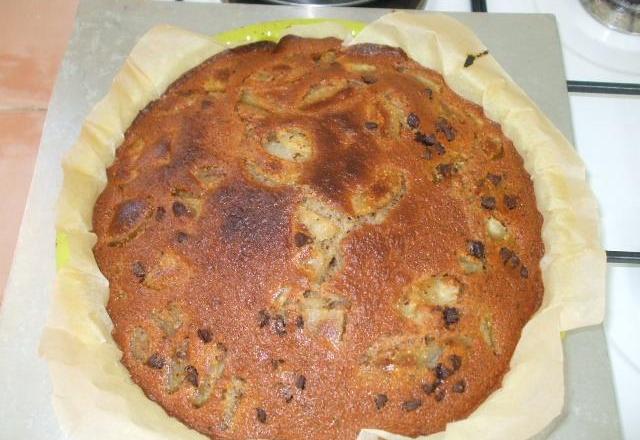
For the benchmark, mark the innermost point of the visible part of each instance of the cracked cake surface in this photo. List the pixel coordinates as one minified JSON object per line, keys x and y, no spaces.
{"x":304,"y":240}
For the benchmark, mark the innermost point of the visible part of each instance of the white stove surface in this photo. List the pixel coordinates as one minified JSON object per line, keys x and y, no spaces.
{"x":592,"y":52}
{"x":607,"y":135}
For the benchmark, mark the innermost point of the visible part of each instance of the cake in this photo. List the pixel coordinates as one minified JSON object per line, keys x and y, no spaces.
{"x":303,"y":240}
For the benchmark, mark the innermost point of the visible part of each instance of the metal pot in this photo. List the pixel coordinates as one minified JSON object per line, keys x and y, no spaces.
{"x":620,"y":15}
{"x":402,"y":4}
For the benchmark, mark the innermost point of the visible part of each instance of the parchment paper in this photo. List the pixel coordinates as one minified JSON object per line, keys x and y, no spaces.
{"x":93,"y":393}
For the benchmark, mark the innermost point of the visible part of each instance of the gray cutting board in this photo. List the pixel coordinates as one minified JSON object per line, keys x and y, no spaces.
{"x":527,"y":46}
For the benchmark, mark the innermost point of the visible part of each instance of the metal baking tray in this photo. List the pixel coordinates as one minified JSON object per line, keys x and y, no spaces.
{"x":527,"y":46}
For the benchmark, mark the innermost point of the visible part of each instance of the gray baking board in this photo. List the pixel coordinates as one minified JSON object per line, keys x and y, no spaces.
{"x":527,"y":46}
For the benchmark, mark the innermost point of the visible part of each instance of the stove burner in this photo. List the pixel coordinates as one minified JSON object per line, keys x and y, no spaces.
{"x":391,"y":4}
{"x":620,"y":15}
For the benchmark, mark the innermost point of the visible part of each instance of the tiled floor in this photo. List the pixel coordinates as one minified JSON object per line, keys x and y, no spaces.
{"x":19,"y":139}
{"x":33,"y":37}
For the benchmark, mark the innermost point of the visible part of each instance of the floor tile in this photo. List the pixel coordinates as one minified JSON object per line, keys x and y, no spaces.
{"x":19,"y":139}
{"x":33,"y":38}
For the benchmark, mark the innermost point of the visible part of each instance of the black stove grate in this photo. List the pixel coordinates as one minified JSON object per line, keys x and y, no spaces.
{"x":623,"y":257}
{"x":478,"y":6}
{"x":603,"y":87}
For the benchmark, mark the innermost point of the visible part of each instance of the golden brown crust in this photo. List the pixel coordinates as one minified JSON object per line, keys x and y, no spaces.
{"x":305,"y":211}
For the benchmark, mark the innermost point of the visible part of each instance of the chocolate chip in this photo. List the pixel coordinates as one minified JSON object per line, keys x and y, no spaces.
{"x":280,"y":326}
{"x":443,"y":126}
{"x":444,"y":169}
{"x":138,"y":270}
{"x":488,"y":202}
{"x":301,"y":239}
{"x":476,"y":248}
{"x":206,"y":104}
{"x":456,"y":362}
{"x":426,"y":139}
{"x":301,"y":382}
{"x":261,"y":415}
{"x":429,"y":388}
{"x":381,"y":400}
{"x":494,"y":178}
{"x":179,"y":209}
{"x":411,"y":405}
{"x":413,"y":120}
{"x":191,"y":375}
{"x":369,"y":78}
{"x":276,"y":363}
{"x":524,"y":272}
{"x":460,"y":386}
{"x":509,"y":257}
{"x":511,"y":202}
{"x":505,"y":254}
{"x":263,"y":318}
{"x":370,"y":125}
{"x":469,"y":60}
{"x":182,"y":237}
{"x":300,"y":322}
{"x":429,"y":93}
{"x":450,"y":316}
{"x":128,"y":215}
{"x":439,"y":396}
{"x":431,"y":143}
{"x":442,"y":372}
{"x":160,"y":212}
{"x":155,"y":361}
{"x":205,"y":335}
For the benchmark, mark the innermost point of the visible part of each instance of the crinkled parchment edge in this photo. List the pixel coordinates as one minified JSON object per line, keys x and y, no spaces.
{"x":93,"y":392}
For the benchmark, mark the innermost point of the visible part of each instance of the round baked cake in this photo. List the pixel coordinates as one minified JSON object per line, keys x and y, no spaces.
{"x":303,"y":240}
